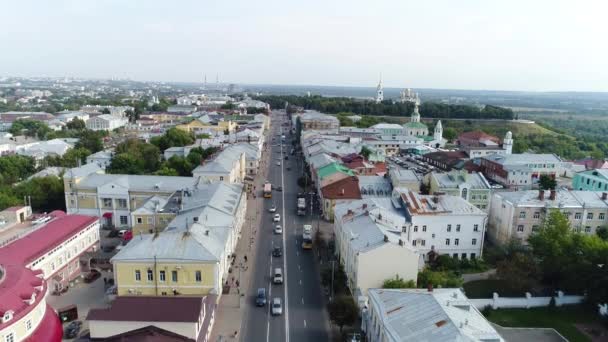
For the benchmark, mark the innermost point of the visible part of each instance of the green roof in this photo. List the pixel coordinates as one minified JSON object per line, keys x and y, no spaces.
{"x":415,"y":125}
{"x":426,"y":137}
{"x":332,"y":168}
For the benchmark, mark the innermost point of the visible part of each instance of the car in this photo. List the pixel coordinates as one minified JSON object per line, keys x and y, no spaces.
{"x":260,"y":298}
{"x":278,"y":276}
{"x":277,"y":252}
{"x":278,"y":163}
{"x":272,"y":209}
{"x":277,"y":307}
{"x":276,"y":218}
{"x":92,"y":276}
{"x":72,"y":329}
{"x":122,"y":232}
{"x":278,"y":229}
{"x":108,"y":248}
{"x":113,"y":233}
{"x":286,"y":158}
{"x":278,"y":188}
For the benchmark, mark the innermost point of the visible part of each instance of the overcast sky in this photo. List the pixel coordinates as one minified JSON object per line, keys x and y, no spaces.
{"x":460,"y":44}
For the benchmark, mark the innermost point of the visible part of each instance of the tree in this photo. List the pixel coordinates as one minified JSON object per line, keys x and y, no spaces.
{"x":398,"y":283}
{"x":133,"y":115}
{"x":166,"y":171}
{"x":105,"y":111}
{"x":602,"y":232}
{"x":228,"y":105}
{"x":76,"y":124}
{"x":181,"y":165}
{"x":126,"y":163}
{"x":520,"y":272}
{"x":7,"y":199}
{"x":343,"y":311}
{"x":30,"y":128}
{"x":91,"y":140}
{"x":75,"y":157}
{"x":365,"y":152}
{"x":547,"y":183}
{"x":14,"y":168}
{"x":450,"y":134}
{"x":174,"y":137}
{"x":439,"y":278}
{"x":47,"y":193}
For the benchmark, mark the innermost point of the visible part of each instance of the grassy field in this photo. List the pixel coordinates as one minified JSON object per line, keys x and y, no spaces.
{"x":561,"y":319}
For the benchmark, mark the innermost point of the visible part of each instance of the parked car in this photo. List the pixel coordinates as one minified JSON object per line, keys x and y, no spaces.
{"x":92,"y":276}
{"x":113,"y":233}
{"x":277,"y":307}
{"x":260,"y":298}
{"x":276,"y":218}
{"x":286,"y":158}
{"x":278,"y":229}
{"x":108,"y":248}
{"x":122,"y":232}
{"x":72,"y":329}
{"x":277,"y":252}
{"x":272,"y":209}
{"x":278,"y":188}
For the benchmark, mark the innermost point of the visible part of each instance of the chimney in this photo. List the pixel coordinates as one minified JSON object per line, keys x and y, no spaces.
{"x":429,"y":287}
{"x":604,"y":196}
{"x":365,"y":204}
{"x":541,"y":194}
{"x":385,"y":238}
{"x":552,"y":195}
{"x":349,"y":212}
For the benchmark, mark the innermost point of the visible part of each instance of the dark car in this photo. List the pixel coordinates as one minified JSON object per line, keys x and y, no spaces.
{"x":277,"y":252}
{"x":286,"y":158}
{"x":260,"y":298}
{"x":108,"y":248}
{"x":278,"y":188}
{"x":92,"y":276}
{"x":113,"y":233}
{"x":72,"y":329}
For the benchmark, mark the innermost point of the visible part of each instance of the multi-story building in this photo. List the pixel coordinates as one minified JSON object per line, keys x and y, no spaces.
{"x":229,"y":166}
{"x":192,"y":255}
{"x":591,"y":180}
{"x":114,"y":197}
{"x":520,"y":171}
{"x":106,"y":122}
{"x":404,"y":178}
{"x":473,"y":187}
{"x":392,"y":145}
{"x":46,"y":259}
{"x":318,"y":121}
{"x":197,"y":126}
{"x":366,"y":235}
{"x":516,"y":215}
{"x":389,"y":129}
{"x":345,"y":189}
{"x":479,"y":144}
{"x":396,"y":315}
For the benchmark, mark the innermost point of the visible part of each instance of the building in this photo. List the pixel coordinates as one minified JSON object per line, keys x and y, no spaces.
{"x":590,"y":164}
{"x":118,"y":111}
{"x":106,"y":122}
{"x":591,"y":180}
{"x":399,"y":315}
{"x":7,"y":118}
{"x":516,"y":215}
{"x":446,"y":160}
{"x":371,"y":247}
{"x":199,"y":127}
{"x":404,"y":178}
{"x":229,"y":166}
{"x":393,"y":144}
{"x":318,"y":121}
{"x":46,"y":259}
{"x":379,"y":91}
{"x":520,"y":171}
{"x":389,"y":129}
{"x":42,"y":149}
{"x":343,"y":190}
{"x":191,"y":256}
{"x":101,"y":158}
{"x":415,"y":127}
{"x":67,"y":116}
{"x":187,"y":109}
{"x":178,"y":151}
{"x":472,"y":187}
{"x":408,"y":95}
{"x":479,"y":144}
{"x":114,"y":197}
{"x":190,"y":317}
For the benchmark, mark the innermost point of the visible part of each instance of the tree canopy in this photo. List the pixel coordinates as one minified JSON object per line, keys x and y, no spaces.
{"x":343,"y":311}
{"x":398,"y":283}
{"x":173,"y":138}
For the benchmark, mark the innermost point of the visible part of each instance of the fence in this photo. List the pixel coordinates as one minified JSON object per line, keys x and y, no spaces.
{"x":497,"y":302}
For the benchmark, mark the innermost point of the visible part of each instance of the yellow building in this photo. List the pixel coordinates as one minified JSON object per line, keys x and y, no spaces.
{"x":197,"y":126}
{"x":192,"y":255}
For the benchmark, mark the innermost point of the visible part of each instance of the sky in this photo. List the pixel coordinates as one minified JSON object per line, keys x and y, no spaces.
{"x":532,"y":45}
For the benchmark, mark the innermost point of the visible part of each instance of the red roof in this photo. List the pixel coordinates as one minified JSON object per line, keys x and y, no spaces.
{"x":18,"y":284}
{"x":347,"y":188}
{"x":45,"y":239}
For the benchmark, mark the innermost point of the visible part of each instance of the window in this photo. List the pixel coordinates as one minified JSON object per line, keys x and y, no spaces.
{"x":150,"y":275}
{"x":162,"y":276}
{"x":137,"y":275}
{"x":424,"y":228}
{"x":415,"y":229}
{"x":455,"y":255}
{"x":140,"y":220}
{"x":536,"y":214}
{"x":534,"y":228}
{"x":587,"y":229}
{"x":520,"y":228}
{"x":414,"y":243}
{"x":474,"y":242}
{"x":473,"y":256}
{"x":577,"y":216}
{"x":447,"y":242}
{"x":107,"y":202}
{"x":174,"y":276}
{"x":522,"y":214}
{"x":473,"y":197}
{"x":449,"y":227}
{"x":124,"y":220}
{"x":457,"y":227}
{"x":465,"y":192}
{"x":423,"y":242}
{"x":121,"y":203}
{"x":433,"y":235}
{"x":221,"y":178}
{"x":589,"y":216}
{"x":10,"y":337}
{"x":198,"y":276}
{"x":463,"y":255}
{"x":601,"y":216}
{"x":475,"y":227}
{"x":456,"y":242}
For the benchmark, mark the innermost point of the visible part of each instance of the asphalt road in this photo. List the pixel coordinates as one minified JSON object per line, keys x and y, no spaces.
{"x":304,"y":316}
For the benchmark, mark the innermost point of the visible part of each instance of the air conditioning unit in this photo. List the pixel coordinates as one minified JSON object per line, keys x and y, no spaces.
{"x":178,"y":267}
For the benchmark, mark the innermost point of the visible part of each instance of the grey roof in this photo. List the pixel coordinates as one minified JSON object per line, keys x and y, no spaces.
{"x":222,"y":163}
{"x":140,"y":182}
{"x":384,"y":125}
{"x":563,"y":199}
{"x":442,"y":315}
{"x":101,"y":155}
{"x":320,"y":160}
{"x":83,"y":171}
{"x":379,"y":186}
{"x":404,"y":175}
{"x":49,"y":171}
{"x":452,"y":180}
{"x":438,"y":205}
{"x":523,"y":158}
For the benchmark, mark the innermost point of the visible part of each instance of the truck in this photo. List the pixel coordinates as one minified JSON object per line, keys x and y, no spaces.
{"x":301,"y":205}
{"x":267,"y":190}
{"x":307,"y":236}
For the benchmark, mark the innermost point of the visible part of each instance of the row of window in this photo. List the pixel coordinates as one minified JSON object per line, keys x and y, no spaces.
{"x":449,"y":228}
{"x":121,"y":203}
{"x":162,"y":276}
{"x":520,"y":228}
{"x":577,"y":216}
{"x":447,"y":242}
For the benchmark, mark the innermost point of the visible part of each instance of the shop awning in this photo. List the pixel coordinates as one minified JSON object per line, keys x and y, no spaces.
{"x":107,"y":215}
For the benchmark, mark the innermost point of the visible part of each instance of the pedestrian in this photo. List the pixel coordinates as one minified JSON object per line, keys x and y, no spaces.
{"x":245,"y":257}
{"x":235,"y":333}
{"x":105,"y":281}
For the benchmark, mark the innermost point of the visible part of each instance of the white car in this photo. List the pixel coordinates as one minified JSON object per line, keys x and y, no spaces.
{"x":278,"y":229}
{"x":276,"y":218}
{"x":272,"y":209}
{"x":278,"y":163}
{"x":277,"y":307}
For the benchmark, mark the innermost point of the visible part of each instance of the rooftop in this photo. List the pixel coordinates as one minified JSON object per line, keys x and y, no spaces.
{"x":404,"y":175}
{"x":139,"y":182}
{"x":563,"y":199}
{"x":437,"y":204}
{"x":523,"y":158}
{"x":454,"y":179}
{"x":346,"y":188}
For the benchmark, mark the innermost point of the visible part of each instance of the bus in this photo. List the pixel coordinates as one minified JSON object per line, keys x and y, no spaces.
{"x":267,"y":190}
{"x":307,"y":237}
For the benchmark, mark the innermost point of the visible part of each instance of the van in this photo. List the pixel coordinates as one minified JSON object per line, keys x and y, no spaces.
{"x":278,"y":276}
{"x":260,"y":299}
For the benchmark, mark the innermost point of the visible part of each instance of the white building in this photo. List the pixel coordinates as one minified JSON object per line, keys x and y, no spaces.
{"x":520,"y":171}
{"x":67,"y":116}
{"x":379,"y":91}
{"x":446,"y":315}
{"x":371,"y":246}
{"x":101,"y":158}
{"x":106,"y":122}
{"x":404,"y":178}
{"x":228,"y":166}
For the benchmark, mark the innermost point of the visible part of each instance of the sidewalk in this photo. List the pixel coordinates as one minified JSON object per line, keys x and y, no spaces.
{"x":232,"y":307}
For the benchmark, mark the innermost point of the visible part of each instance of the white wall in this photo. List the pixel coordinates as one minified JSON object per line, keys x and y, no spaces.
{"x":497,"y":302}
{"x":384,"y":262}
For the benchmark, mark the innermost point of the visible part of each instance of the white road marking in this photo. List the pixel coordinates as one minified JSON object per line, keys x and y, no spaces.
{"x":300,"y":281}
{"x":304,"y":323}
{"x":302,"y":300}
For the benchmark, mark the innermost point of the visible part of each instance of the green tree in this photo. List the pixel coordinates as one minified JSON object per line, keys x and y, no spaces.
{"x":133,"y":115}
{"x":166,"y":171}
{"x":91,"y":140}
{"x":398,"y":283}
{"x":181,"y":165}
{"x":602,"y":233}
{"x":520,"y":272}
{"x":47,"y":193}
{"x":547,"y":183}
{"x":450,"y":134}
{"x":228,"y":105}
{"x":30,"y":128}
{"x":76,"y":124}
{"x":75,"y":157}
{"x":14,"y":168}
{"x":173,"y":138}
{"x":105,"y":111}
{"x":365,"y":152}
{"x":126,"y":163}
{"x":439,"y":278}
{"x":7,"y":199}
{"x":343,"y":311}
